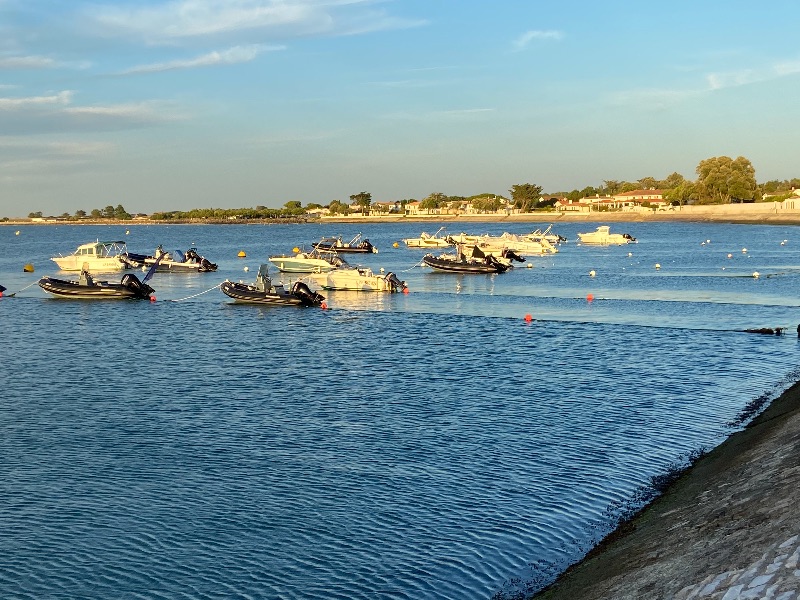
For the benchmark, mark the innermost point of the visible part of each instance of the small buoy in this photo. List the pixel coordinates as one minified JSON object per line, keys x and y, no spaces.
{"x":1,"y":294}
{"x":708,"y":241}
{"x":702,"y":243}
{"x":241,"y":254}
{"x":730,"y":255}
{"x":295,"y":249}
{"x":589,"y":297}
{"x":756,"y":275}
{"x":246,"y":269}
{"x":323,"y":306}
{"x":28,"y":268}
{"x":127,"y":231}
{"x":405,"y":290}
{"x":744,"y":249}
{"x":395,"y":245}
{"x":16,"y":232}
{"x":152,"y":298}
{"x":658,"y":266}
{"x":382,"y":270}
{"x":528,"y":318}
{"x":783,"y":243}
{"x":592,"y":273}
{"x":630,"y":253}
{"x":530,"y":266}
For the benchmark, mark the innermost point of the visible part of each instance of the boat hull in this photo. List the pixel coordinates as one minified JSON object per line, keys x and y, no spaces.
{"x":449,"y":265}
{"x":248,"y":294}
{"x":61,"y":288}
{"x":360,"y":280}
{"x":95,"y":265}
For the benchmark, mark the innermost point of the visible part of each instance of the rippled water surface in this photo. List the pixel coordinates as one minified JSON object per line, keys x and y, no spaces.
{"x":423,"y":445}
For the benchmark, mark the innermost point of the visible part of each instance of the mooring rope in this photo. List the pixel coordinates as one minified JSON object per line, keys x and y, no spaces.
{"x":420,"y":263}
{"x":195,"y":295}
{"x":22,"y":290}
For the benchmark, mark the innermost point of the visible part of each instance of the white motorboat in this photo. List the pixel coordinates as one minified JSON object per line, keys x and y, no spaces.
{"x":315,"y":261}
{"x":97,"y":257}
{"x":538,"y":235}
{"x":521,"y":244}
{"x":359,"y":279}
{"x":191,"y":262}
{"x":602,"y":236}
{"x":426,"y":240}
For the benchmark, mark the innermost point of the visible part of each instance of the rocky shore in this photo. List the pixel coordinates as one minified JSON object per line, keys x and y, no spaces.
{"x":727,"y":529}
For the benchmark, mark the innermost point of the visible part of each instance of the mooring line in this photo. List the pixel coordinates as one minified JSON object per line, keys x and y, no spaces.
{"x":195,"y":295}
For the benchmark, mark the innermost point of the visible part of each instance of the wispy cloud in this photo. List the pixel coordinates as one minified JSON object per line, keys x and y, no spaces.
{"x":526,"y":38}
{"x":26,"y":62}
{"x":7,"y":104}
{"x":173,"y":21}
{"x":237,"y":54}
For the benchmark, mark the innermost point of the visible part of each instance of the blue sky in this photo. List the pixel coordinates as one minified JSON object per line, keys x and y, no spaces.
{"x":171,"y":105}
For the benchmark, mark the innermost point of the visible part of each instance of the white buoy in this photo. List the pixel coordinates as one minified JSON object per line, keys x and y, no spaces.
{"x":658,"y":266}
{"x":630,"y":253}
{"x":16,"y":232}
{"x":744,"y":250}
{"x":756,"y":275}
{"x":127,"y":231}
{"x":592,"y":273}
{"x":708,"y":241}
{"x":246,"y":269}
{"x":530,"y":266}
{"x":730,"y":255}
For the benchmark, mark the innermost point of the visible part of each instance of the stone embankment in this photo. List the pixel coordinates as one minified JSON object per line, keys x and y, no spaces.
{"x":727,"y":529}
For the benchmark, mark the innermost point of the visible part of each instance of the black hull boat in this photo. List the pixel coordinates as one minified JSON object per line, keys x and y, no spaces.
{"x":460,"y":263}
{"x":356,"y":245}
{"x":176,"y":262}
{"x":265,"y":292}
{"x":86,"y":288}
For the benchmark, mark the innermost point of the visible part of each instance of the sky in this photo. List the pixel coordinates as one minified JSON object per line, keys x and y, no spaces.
{"x":171,"y":105}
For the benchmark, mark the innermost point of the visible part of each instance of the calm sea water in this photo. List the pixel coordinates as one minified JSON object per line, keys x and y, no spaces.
{"x":423,"y":445}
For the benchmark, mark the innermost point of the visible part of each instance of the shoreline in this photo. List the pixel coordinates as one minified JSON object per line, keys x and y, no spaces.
{"x":747,"y":214}
{"x":726,"y":528}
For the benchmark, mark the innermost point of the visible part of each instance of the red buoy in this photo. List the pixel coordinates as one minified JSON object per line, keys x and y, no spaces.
{"x":589,"y":297}
{"x":528,"y":318}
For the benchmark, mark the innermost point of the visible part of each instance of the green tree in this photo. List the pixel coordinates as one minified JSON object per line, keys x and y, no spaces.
{"x":294,"y":206}
{"x":338,"y":208}
{"x":35,"y":215}
{"x":80,"y":213}
{"x":96,"y":213}
{"x":681,"y":194}
{"x":525,"y":196}
{"x":362,"y":200}
{"x":722,"y":179}
{"x":121,"y":214}
{"x":433,"y":201}
{"x":646,"y":183}
{"x":671,"y":181}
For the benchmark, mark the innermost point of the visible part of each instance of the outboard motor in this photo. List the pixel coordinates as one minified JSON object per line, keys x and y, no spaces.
{"x":394,"y":282}
{"x":206,"y":265}
{"x":302,"y":291}
{"x":141,"y":290}
{"x":511,"y":255}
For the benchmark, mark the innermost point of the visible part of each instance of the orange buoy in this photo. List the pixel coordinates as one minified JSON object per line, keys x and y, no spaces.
{"x":242,"y":254}
{"x":152,"y":298}
{"x":528,"y":318}
{"x":405,"y":290}
{"x":589,"y":297}
{"x":323,"y":306}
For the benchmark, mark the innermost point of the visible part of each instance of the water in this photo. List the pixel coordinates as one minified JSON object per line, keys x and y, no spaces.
{"x":428,"y":445}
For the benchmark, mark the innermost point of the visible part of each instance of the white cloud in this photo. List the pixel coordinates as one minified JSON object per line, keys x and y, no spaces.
{"x":526,"y":38}
{"x":176,"y":20}
{"x":26,"y":62}
{"x":237,"y":54}
{"x":61,"y":98}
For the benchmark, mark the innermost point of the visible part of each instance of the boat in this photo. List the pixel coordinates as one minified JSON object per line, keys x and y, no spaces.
{"x":356,"y":245}
{"x":360,"y":279}
{"x":88,"y":288}
{"x":469,"y":260}
{"x":426,"y":240}
{"x":315,"y":261}
{"x":602,"y":236}
{"x":547,"y":234}
{"x":511,"y":241}
{"x":191,"y":262}
{"x":265,"y":291}
{"x":101,"y":257}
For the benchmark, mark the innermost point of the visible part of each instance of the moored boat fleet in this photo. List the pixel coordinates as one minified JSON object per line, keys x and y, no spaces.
{"x":318,"y":269}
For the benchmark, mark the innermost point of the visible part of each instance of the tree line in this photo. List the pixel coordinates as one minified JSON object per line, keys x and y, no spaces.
{"x":720,"y":180}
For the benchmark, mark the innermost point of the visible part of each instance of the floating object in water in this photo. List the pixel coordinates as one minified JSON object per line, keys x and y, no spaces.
{"x":744,"y":250}
{"x":708,"y":241}
{"x":323,"y":306}
{"x":28,"y":268}
{"x":589,"y":298}
{"x":528,"y":318}
{"x":771,"y":331}
{"x":241,"y":254}
{"x":152,"y":298}
{"x":658,"y":266}
{"x":530,"y":266}
{"x":592,"y":273}
{"x":127,"y":231}
{"x":405,"y":290}
{"x":295,"y":249}
{"x":756,"y":275}
{"x":630,"y":253}
{"x":395,"y":245}
{"x":16,"y":232}
{"x":730,"y":255}
{"x":246,"y":269}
